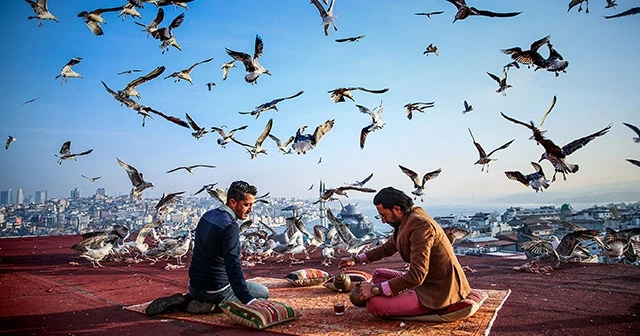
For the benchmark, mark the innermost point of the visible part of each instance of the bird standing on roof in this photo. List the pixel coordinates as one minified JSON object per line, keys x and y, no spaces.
{"x":251,"y":64}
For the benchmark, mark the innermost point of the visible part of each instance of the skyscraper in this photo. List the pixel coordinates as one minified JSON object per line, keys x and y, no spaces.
{"x":41,"y":196}
{"x":5,"y":197}
{"x":75,"y":193}
{"x":101,"y":192}
{"x":19,"y":196}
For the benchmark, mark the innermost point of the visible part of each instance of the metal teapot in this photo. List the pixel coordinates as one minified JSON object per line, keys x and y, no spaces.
{"x":342,"y":282}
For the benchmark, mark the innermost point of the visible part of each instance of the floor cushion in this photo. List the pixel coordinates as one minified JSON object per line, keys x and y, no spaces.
{"x":260,"y":314}
{"x":307,"y":277}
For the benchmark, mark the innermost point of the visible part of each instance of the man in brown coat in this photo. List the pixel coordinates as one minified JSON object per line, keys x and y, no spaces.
{"x":435,"y":279}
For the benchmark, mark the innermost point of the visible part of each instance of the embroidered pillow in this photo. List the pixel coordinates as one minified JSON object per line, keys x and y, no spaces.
{"x":259,"y":315}
{"x":459,"y":310}
{"x":307,"y":277}
{"x":356,"y":277}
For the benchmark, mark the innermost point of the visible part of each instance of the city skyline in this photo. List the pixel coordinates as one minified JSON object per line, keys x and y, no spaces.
{"x":598,"y":89}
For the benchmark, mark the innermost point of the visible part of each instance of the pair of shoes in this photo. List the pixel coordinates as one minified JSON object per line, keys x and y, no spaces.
{"x":160,"y":305}
{"x":202,"y":307}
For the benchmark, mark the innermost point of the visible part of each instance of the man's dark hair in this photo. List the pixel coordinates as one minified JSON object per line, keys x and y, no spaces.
{"x":390,"y":197}
{"x":239,"y":189}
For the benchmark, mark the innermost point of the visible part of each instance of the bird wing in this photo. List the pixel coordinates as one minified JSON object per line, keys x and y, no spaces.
{"x":66,"y":148}
{"x":133,"y":173}
{"x":151,"y":75}
{"x":323,"y":12}
{"x":544,"y":116}
{"x":176,"y":22}
{"x":203,"y":166}
{"x":371,"y":91}
{"x":158,"y":19}
{"x":529,"y":126}
{"x":475,"y":11}
{"x":291,"y":97}
{"x":539,"y":43}
{"x":357,"y":188}
{"x":412,"y":175}
{"x":632,"y":127}
{"x":198,"y":63}
{"x":579,"y":143}
{"x":458,"y":3}
{"x":572,"y":226}
{"x":276,"y":139}
{"x":537,"y":167}
{"x":501,"y":147}
{"x":167,"y":198}
{"x":265,"y":133}
{"x":237,"y":129}
{"x":242,"y":57}
{"x":91,"y":240}
{"x":105,"y":10}
{"x":192,"y":123}
{"x":366,"y":179}
{"x":365,"y":109}
{"x":634,"y":162}
{"x":173,"y":119}
{"x":517,"y":176}
{"x":321,"y":130}
{"x":343,"y":231}
{"x":259,"y":47}
{"x":363,"y":135}
{"x":204,"y":187}
{"x":632,"y":11}
{"x":495,"y":78}
{"x":220,"y":131}
{"x":481,"y":151}
{"x":466,"y":105}
{"x":85,"y":152}
{"x":176,"y":169}
{"x":430,"y":175}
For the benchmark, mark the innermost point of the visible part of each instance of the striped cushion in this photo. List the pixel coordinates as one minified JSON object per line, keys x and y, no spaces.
{"x":459,"y":310}
{"x":307,"y":277}
{"x":355,"y":276}
{"x":260,"y":314}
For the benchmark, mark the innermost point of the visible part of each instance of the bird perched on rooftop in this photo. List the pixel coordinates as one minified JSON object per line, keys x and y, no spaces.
{"x":636,"y":130}
{"x":165,"y":34}
{"x":304,"y":142}
{"x":573,"y":3}
{"x":467,"y":108}
{"x":67,"y":72}
{"x":257,"y":147}
{"x":419,"y":107}
{"x":251,"y":65}
{"x":10,"y":140}
{"x":631,"y":11}
{"x":485,"y":159}
{"x":326,"y":15}
{"x":226,"y":137}
{"x":272,"y":105}
{"x":465,"y":11}
{"x":91,"y":179}
{"x":417,"y":184}
{"x":186,"y":73}
{"x":351,"y":39}
{"x":528,"y":57}
{"x":455,"y":233}
{"x":620,"y":243}
{"x":41,"y":10}
{"x":338,"y":95}
{"x":130,"y":89}
{"x":93,"y":19}
{"x":431,"y":49}
{"x":136,"y":178}
{"x":283,"y":146}
{"x":429,"y":14}
{"x":376,"y":122}
{"x":360,"y":183}
{"x":555,"y":62}
{"x":327,"y":195}
{"x":535,"y":180}
{"x":568,"y":248}
{"x":198,"y":131}
{"x":65,"y":153}
{"x":190,"y":168}
{"x":502,"y":82}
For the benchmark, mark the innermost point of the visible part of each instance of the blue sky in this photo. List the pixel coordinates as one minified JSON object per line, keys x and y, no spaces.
{"x":599,"y":88}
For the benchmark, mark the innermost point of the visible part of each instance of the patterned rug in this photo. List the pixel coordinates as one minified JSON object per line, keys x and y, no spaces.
{"x":315,"y":303}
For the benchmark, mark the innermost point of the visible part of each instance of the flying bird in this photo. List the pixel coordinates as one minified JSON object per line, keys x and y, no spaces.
{"x":129,"y":9}
{"x":30,"y":101}
{"x":502,"y":82}
{"x":186,"y":73}
{"x":41,"y":10}
{"x":226,"y":137}
{"x":351,"y":39}
{"x":190,"y":168}
{"x":431,"y":49}
{"x":93,"y":19}
{"x":360,"y":183}
{"x":166,"y":200}
{"x":65,"y":153}
{"x":455,"y":233}
{"x":429,"y":14}
{"x":310,"y":188}
{"x":205,"y":187}
{"x":467,"y":108}
{"x":282,"y":146}
{"x":634,"y":162}
{"x":210,"y":85}
{"x":130,"y":89}
{"x":198,"y":131}
{"x":574,"y":3}
{"x":485,"y":159}
{"x":272,"y":105}
{"x":327,"y":194}
{"x":620,"y":243}
{"x":10,"y":140}
{"x":465,"y":11}
{"x":632,"y":11}
{"x":376,"y":122}
{"x":555,"y":62}
{"x":537,"y":132}
{"x":67,"y":72}
{"x":513,"y":64}
{"x":338,"y":95}
{"x":91,"y":179}
{"x":129,"y":72}
{"x":225,"y":68}
{"x":177,"y":3}
{"x":535,"y":180}
{"x":251,"y":64}
{"x":419,"y":107}
{"x":136,"y":178}
{"x":165,"y":34}
{"x":635,"y":129}
{"x":326,"y":15}
{"x":257,"y":148}
{"x":304,"y":142}
{"x":611,"y":4}
{"x":528,"y":57}
{"x":417,"y":184}
{"x":153,"y":26}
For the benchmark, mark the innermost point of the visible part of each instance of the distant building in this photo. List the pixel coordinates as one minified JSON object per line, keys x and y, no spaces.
{"x":19,"y":196}
{"x":75,"y":194}
{"x":5,"y":196}
{"x":101,"y":192}
{"x":41,"y":196}
{"x":358,"y":223}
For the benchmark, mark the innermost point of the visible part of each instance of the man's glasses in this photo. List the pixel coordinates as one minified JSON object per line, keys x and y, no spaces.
{"x":382,"y":216}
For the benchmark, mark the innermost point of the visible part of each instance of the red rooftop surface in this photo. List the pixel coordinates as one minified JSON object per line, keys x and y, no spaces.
{"x":43,"y":293}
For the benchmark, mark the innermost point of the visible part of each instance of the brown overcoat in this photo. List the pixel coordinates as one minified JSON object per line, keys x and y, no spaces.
{"x":434,"y":272}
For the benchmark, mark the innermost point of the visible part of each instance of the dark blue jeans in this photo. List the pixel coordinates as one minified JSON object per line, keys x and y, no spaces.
{"x":257,"y":290}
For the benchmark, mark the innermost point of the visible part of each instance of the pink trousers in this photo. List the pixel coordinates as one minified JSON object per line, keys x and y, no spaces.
{"x":405,"y":304}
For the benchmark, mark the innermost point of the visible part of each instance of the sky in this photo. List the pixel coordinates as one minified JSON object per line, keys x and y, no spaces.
{"x":599,"y":88}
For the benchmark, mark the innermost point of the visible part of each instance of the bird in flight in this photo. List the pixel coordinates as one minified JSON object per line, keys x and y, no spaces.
{"x":431,"y":49}
{"x":206,"y":187}
{"x":162,"y":206}
{"x":535,"y":180}
{"x":177,"y":3}
{"x":198,"y":131}
{"x":129,"y":72}
{"x":210,"y":85}
{"x":129,"y":9}
{"x":326,"y":15}
{"x":30,"y":101}
{"x":186,"y":73}
{"x":282,"y":146}
{"x":136,"y":178}
{"x":467,"y":108}
{"x":225,"y":68}
{"x":226,"y":137}
{"x":502,"y":82}
{"x":304,"y":142}
{"x":94,"y":18}
{"x":338,"y":95}
{"x":165,"y":34}
{"x":65,"y":153}
{"x":257,"y":148}
{"x":417,"y":184}
{"x":429,"y":14}
{"x":574,"y":3}
{"x":361,"y":183}
{"x":130,"y":89}
{"x":631,"y":11}
{"x":41,"y":10}
{"x":91,"y":179}
{"x":67,"y":72}
{"x":528,"y":57}
{"x":251,"y":64}
{"x":10,"y":140}
{"x":190,"y":168}
{"x":327,"y":195}
{"x":485,"y":159}
{"x":555,"y":62}
{"x":465,"y":11}
{"x":634,"y":162}
{"x":351,"y":39}
{"x":376,"y":122}
{"x":272,"y":105}
{"x":635,"y":129}
{"x":419,"y":107}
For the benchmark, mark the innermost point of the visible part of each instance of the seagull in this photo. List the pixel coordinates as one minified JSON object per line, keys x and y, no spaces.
{"x":272,"y":105}
{"x":528,"y":57}
{"x":376,"y":122}
{"x":225,"y":68}
{"x":634,"y":162}
{"x":97,"y":254}
{"x":186,"y":73}
{"x":65,"y":153}
{"x":429,"y":13}
{"x":537,"y":132}
{"x":10,"y":140}
{"x":210,"y":85}
{"x":67,"y":72}
{"x":555,"y":62}
{"x":305,"y":142}
{"x":205,"y":187}
{"x":129,"y":72}
{"x":420,"y":107}
{"x":30,"y":101}
{"x":91,"y":179}
{"x":338,"y":95}
{"x":467,"y":108}
{"x":635,"y":129}
{"x":351,"y":39}
{"x":153,"y":26}
{"x":632,"y":11}
{"x":41,"y":10}
{"x":165,"y":34}
{"x":620,"y":243}
{"x":251,"y":64}
{"x":320,"y":160}
{"x":226,"y":138}
{"x":190,"y":168}
{"x":94,"y":18}
{"x":573,"y":3}
{"x":455,"y":233}
{"x":485,"y":159}
{"x":502,"y":82}
{"x":431,"y":49}
{"x":535,"y":180}
{"x":257,"y":148}
{"x":310,"y":188}
{"x":283,"y":146}
{"x":465,"y":11}
{"x":130,"y":10}
{"x":360,"y":183}
{"x":198,"y":131}
{"x":326,"y":15}
{"x":180,"y":249}
{"x":419,"y":191}
{"x":165,"y":200}
{"x":611,"y":4}
{"x":137,"y":180}
{"x":130,"y":89}
{"x":512,"y":64}
{"x":177,"y":3}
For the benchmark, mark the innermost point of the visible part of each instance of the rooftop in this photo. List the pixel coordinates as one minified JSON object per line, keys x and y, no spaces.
{"x":44,"y":293}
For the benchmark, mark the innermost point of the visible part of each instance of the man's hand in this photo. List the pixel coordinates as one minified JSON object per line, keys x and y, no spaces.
{"x":346,"y":262}
{"x":365,"y":291}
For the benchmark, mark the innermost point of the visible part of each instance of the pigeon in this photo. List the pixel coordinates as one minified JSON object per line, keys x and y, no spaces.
{"x":360,"y":183}
{"x":198,"y":131}
{"x":225,"y":68}
{"x":338,"y":95}
{"x":485,"y":159}
{"x":635,"y":129}
{"x":251,"y":64}
{"x":94,"y":18}
{"x":190,"y":168}
{"x":465,"y":11}
{"x":186,"y":73}
{"x":573,"y":3}
{"x":165,"y":34}
{"x":283,"y":146}
{"x":91,"y":179}
{"x":429,"y":14}
{"x":431,"y":49}
{"x":65,"y":153}
{"x":130,"y":89}
{"x":631,"y":11}
{"x":535,"y":180}
{"x":304,"y":142}
{"x":419,"y":106}
{"x":326,"y":15}
{"x":67,"y":72}
{"x":419,"y":187}
{"x":226,"y":137}
{"x":467,"y":108}
{"x":137,"y":180}
{"x":376,"y":122}
{"x":272,"y":105}
{"x":257,"y":148}
{"x":10,"y":140}
{"x":327,"y":194}
{"x":502,"y":82}
{"x":528,"y":57}
{"x":41,"y":10}
{"x":351,"y":39}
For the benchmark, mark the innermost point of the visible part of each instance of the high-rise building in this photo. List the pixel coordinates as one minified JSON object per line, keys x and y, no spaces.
{"x":5,"y":196}
{"x":101,"y":192}
{"x":75,"y":193}
{"x":19,"y":196}
{"x":41,"y":196}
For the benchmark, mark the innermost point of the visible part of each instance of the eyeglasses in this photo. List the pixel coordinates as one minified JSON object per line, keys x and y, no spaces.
{"x":383,"y":216}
